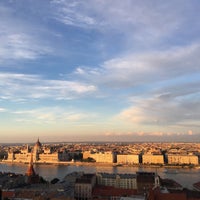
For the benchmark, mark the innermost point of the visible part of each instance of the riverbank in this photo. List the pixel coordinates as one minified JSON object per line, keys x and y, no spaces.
{"x":63,"y":163}
{"x":78,"y":163}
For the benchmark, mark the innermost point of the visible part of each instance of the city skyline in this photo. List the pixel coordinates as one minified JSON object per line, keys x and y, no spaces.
{"x":99,"y":70}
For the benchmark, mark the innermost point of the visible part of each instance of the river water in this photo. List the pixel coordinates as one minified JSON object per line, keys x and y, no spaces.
{"x":186,"y":177}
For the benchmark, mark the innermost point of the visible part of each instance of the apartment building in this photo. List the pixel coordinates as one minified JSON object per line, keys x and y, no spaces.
{"x":101,"y":157}
{"x":84,"y":186}
{"x":127,"y":159}
{"x":152,"y":159}
{"x":146,"y":181}
{"x":182,"y":159}
{"x":126,"y":181}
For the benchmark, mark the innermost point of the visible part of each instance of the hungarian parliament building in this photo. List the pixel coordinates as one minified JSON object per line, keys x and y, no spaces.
{"x":39,"y":154}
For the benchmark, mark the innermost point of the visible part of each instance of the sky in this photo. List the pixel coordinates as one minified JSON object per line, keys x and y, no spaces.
{"x":99,"y":70}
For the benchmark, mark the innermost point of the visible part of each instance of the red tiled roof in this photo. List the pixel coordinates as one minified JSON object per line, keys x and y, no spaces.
{"x":8,"y":194}
{"x":157,"y":195}
{"x":171,"y":196}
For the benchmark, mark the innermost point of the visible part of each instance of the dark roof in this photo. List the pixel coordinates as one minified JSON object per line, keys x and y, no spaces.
{"x":197,"y":185}
{"x":86,"y":178}
{"x":112,"y":191}
{"x":113,"y":176}
{"x":170,"y":183}
{"x":145,"y":173}
{"x":82,"y":180}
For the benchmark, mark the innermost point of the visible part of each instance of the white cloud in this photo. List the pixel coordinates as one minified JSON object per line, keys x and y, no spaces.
{"x":67,"y":13}
{"x":154,"y":66}
{"x":132,"y":114}
{"x":19,"y":39}
{"x":142,"y":22}
{"x":21,"y":46}
{"x":51,"y":115}
{"x":179,"y":110}
{"x":21,"y":86}
{"x":144,"y":68}
{"x":145,"y":76}
{"x":2,"y":109}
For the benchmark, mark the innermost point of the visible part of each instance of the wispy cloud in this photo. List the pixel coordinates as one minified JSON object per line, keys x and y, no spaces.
{"x":22,"y":86}
{"x":140,"y":57}
{"x":2,"y":109}
{"x":162,"y":97}
{"x":19,"y":40}
{"x":143,"y":22}
{"x":144,"y":68}
{"x":21,"y":46}
{"x":176,"y":107}
{"x":67,"y":13}
{"x":51,"y":115}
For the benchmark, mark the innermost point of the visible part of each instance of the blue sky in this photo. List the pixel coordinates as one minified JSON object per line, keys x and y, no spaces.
{"x":99,"y":70}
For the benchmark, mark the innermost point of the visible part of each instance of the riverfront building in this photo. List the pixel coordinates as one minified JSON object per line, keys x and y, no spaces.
{"x":152,"y":159}
{"x":178,"y":159}
{"x":39,"y":154}
{"x":127,"y":159}
{"x":101,"y":157}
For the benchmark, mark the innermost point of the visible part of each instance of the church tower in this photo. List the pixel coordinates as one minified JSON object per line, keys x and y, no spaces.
{"x":31,"y":176}
{"x":30,"y":171}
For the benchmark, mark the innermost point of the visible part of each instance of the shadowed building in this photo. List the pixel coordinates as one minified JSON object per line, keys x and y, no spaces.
{"x":126,"y":181}
{"x":146,"y":181}
{"x":84,"y":187}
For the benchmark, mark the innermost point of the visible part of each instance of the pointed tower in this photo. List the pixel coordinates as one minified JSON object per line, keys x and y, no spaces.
{"x":32,"y":177}
{"x":30,"y":171}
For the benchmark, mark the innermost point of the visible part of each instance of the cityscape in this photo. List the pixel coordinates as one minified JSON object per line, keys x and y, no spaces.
{"x":146,"y":182}
{"x":99,"y":100}
{"x":174,"y":154}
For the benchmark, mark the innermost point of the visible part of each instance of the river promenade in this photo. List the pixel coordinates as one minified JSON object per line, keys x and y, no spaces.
{"x":79,"y":163}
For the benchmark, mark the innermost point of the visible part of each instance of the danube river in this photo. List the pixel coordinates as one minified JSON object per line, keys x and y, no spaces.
{"x":186,"y":177}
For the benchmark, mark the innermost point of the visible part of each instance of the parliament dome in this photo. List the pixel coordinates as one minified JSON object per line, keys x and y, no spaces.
{"x":38,"y":144}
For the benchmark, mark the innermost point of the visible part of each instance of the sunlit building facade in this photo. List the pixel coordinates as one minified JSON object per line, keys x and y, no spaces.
{"x":127,"y":159}
{"x":39,"y":154}
{"x":152,"y":159}
{"x":178,"y":159}
{"x":101,"y":157}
